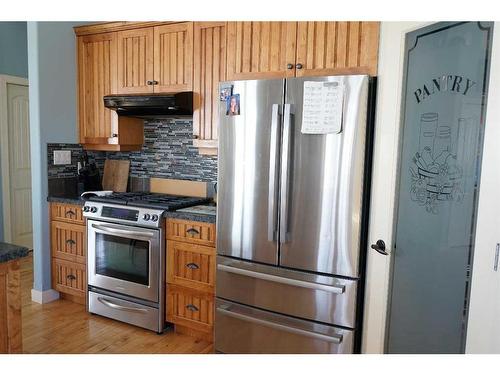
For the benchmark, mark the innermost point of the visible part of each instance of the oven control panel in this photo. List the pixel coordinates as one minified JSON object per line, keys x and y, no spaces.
{"x":123,"y":214}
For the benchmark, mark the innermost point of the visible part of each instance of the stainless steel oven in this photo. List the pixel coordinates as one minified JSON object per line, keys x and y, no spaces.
{"x":124,"y":259}
{"x":126,"y":264}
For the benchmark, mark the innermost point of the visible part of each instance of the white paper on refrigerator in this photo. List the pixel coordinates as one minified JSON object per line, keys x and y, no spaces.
{"x":322,"y":107}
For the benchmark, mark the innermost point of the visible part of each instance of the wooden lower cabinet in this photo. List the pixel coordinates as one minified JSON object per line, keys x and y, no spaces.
{"x":70,"y":278}
{"x":191,"y":268}
{"x":10,"y":308}
{"x":68,"y":248}
{"x":190,"y":308}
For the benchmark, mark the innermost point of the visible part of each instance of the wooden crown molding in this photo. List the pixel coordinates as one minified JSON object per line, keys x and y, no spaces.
{"x":106,"y":27}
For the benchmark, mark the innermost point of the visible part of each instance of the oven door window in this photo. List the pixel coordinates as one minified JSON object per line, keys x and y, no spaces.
{"x":122,"y":258}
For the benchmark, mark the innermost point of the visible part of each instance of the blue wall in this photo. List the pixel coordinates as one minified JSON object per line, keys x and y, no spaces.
{"x":13,"y":49}
{"x":14,"y":62}
{"x":53,"y":119}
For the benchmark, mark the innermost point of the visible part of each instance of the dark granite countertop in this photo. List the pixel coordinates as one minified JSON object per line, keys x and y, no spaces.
{"x":11,"y":252}
{"x":190,"y":216}
{"x":66,"y":199}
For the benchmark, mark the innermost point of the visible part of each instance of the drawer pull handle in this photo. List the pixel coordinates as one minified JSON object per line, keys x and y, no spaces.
{"x":192,"y":266}
{"x":70,"y":213}
{"x":192,"y":307}
{"x":71,"y":277}
{"x":192,"y":231}
{"x":70,"y":242}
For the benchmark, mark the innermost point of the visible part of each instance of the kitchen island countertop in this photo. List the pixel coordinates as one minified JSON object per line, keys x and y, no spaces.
{"x":10,"y":252}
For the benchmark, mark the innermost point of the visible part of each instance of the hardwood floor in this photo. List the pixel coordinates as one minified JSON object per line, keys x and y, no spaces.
{"x":63,"y":326}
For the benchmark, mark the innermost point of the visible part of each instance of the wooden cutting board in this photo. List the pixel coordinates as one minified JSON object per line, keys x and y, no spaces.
{"x":115,"y":176}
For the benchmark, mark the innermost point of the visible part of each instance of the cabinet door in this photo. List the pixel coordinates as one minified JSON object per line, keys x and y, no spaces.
{"x":330,"y":48}
{"x":173,"y":57}
{"x":68,"y":242}
{"x":258,"y":50}
{"x":192,"y":266}
{"x":209,"y":69}
{"x":135,"y":61}
{"x":96,"y":78}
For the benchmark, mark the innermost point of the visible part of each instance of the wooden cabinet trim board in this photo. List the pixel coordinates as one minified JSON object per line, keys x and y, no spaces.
{"x":106,"y":27}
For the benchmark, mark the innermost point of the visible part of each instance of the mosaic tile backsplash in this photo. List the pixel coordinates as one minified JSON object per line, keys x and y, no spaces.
{"x":168,"y":152}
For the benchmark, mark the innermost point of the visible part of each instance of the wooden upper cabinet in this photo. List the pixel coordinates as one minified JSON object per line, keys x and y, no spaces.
{"x":209,"y":68}
{"x":327,"y":48}
{"x":173,"y":57}
{"x":135,"y":61}
{"x":258,"y":50}
{"x":96,"y":78}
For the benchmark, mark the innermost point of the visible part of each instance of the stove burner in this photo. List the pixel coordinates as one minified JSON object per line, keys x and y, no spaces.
{"x":151,"y":200}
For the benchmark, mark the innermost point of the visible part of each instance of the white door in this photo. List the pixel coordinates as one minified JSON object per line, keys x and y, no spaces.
{"x":483,"y":330}
{"x":385,"y":159}
{"x":21,"y":232}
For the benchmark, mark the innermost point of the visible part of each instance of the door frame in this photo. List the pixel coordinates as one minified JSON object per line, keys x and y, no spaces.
{"x":5,"y":80}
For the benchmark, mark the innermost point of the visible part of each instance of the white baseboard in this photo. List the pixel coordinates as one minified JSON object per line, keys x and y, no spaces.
{"x":45,"y":296}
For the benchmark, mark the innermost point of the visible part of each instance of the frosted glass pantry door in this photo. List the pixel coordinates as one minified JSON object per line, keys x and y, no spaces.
{"x":444,"y":101}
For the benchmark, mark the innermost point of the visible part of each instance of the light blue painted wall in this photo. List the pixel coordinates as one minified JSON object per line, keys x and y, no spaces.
{"x":13,"y":49}
{"x":53,"y":119}
{"x":14,"y":62}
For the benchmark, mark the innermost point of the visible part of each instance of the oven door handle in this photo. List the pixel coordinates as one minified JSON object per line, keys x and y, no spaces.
{"x":112,"y":230}
{"x":119,"y":307}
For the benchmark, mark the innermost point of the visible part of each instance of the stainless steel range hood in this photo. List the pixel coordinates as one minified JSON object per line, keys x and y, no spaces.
{"x":151,"y":105}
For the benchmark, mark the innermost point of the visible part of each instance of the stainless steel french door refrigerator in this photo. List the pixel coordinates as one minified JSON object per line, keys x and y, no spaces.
{"x":291,"y":219}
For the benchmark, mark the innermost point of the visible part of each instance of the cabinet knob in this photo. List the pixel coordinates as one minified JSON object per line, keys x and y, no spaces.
{"x":149,"y":83}
{"x":69,"y":213}
{"x":298,"y":66}
{"x":192,"y":231}
{"x":155,"y":82}
{"x":114,"y":135}
{"x":191,"y":307}
{"x":289,"y":66}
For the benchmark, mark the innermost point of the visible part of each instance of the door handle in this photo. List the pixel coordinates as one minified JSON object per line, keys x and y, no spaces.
{"x":497,"y":250}
{"x":111,"y":230}
{"x":379,"y":247}
{"x":287,"y":116}
{"x":271,"y":204}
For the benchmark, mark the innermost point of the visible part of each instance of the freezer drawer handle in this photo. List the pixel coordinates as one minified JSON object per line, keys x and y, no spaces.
{"x":119,"y":307}
{"x":336,"y":289}
{"x":337,"y":339}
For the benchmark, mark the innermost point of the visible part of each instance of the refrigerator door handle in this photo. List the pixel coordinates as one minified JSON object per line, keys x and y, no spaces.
{"x":271,"y":208}
{"x":285,"y":172}
{"x":335,"y":289}
{"x":334,"y":339}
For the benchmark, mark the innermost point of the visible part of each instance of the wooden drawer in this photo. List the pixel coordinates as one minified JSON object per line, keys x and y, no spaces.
{"x":189,"y":308}
{"x":191,"y":266}
{"x":69,"y":277}
{"x":191,"y":231}
{"x":68,"y":242}
{"x":70,"y":213}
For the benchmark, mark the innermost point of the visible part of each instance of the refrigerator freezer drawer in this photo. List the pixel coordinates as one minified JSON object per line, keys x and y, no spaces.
{"x":320,"y":298}
{"x":242,"y":329}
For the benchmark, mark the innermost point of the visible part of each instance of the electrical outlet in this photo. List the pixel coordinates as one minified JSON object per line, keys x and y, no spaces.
{"x":62,"y":157}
